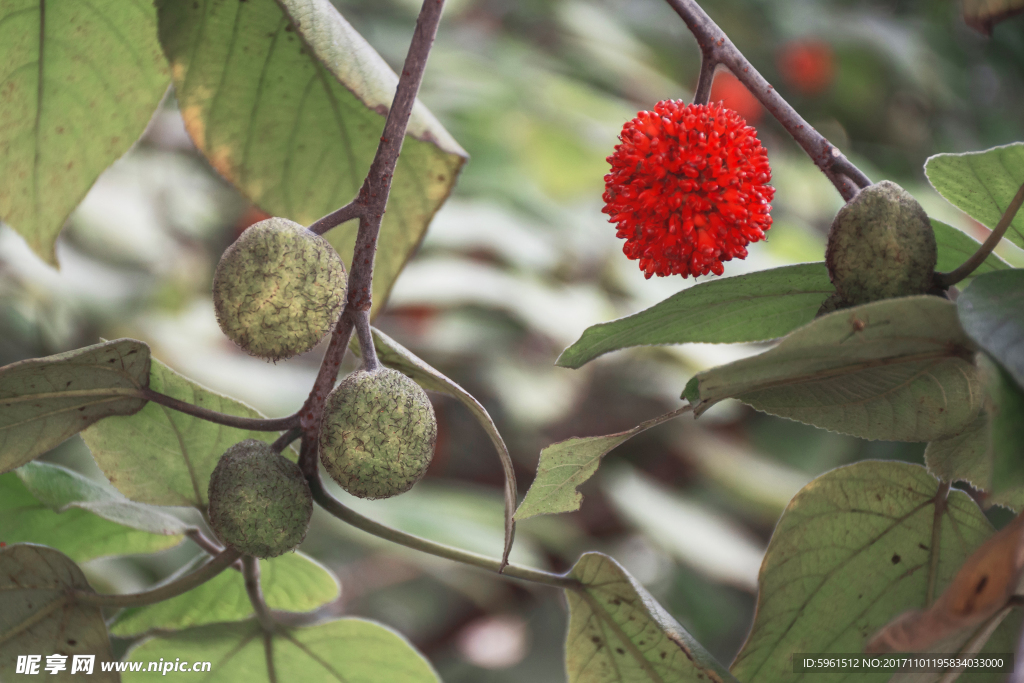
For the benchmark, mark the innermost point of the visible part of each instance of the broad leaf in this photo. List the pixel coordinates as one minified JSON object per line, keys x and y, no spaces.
{"x":745,"y":308}
{"x":1006,"y":435}
{"x":967,"y":456}
{"x":164,"y":457}
{"x":956,"y":246}
{"x":43,"y":401}
{"x":897,"y":370}
{"x":981,"y":15}
{"x":563,"y":466}
{"x":397,"y":357}
{"x":619,"y":634}
{"x":287,"y":102}
{"x":992,"y":313}
{"x":291,"y":582}
{"x":49,"y":505}
{"x":854,"y":549}
{"x":349,"y":650}
{"x":38,"y":615}
{"x":78,"y":84}
{"x":981,"y":184}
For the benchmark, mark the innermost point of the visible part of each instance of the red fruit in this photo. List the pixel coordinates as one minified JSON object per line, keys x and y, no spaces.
{"x":688,"y":188}
{"x":808,"y":66}
{"x":728,"y":90}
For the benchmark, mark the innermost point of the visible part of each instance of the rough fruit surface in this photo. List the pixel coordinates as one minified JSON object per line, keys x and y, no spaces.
{"x":259,"y":501}
{"x":881,"y":245}
{"x":378,"y":432}
{"x":688,"y":188}
{"x":278,"y":289}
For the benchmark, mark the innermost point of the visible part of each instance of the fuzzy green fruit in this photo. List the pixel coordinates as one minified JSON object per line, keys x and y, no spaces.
{"x":378,"y":432}
{"x":881,"y":246}
{"x":278,"y":289}
{"x":259,"y":501}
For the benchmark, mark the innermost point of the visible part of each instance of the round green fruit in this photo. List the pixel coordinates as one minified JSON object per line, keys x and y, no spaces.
{"x":278,"y":289}
{"x":378,"y":432}
{"x":259,"y":501}
{"x":881,"y":246}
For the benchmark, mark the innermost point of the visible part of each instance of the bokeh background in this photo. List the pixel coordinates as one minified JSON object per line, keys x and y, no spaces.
{"x":516,"y":265}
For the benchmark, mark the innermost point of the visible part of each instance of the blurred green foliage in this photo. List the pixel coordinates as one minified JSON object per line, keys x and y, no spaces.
{"x":516,"y":265}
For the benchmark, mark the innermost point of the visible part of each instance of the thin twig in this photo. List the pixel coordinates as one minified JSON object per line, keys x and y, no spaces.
{"x":346,"y":514}
{"x":716,"y":47}
{"x":215,"y":566}
{"x":346,"y":213}
{"x":373,"y":198}
{"x":947,"y":280}
{"x":707,"y":76}
{"x":268,"y":652}
{"x":361,"y":321}
{"x":253,"y":423}
{"x":285,"y":439}
{"x":251,"y":572}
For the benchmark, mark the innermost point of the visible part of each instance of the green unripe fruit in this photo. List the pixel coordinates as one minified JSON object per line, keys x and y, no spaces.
{"x":278,"y":289}
{"x":259,"y":501}
{"x":881,"y":246}
{"x":378,"y":432}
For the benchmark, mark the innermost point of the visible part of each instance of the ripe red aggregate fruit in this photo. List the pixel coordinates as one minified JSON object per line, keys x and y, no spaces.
{"x":808,"y":66}
{"x":688,"y":188}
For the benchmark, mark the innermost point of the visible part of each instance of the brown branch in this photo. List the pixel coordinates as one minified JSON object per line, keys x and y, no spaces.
{"x":947,"y":280}
{"x":254,"y":423}
{"x":707,"y":76}
{"x":716,"y":48}
{"x":372,"y":200}
{"x":251,"y":572}
{"x":346,"y":213}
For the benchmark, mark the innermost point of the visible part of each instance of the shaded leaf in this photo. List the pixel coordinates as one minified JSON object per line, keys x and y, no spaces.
{"x":897,"y":370}
{"x":78,"y":84}
{"x":164,"y":457}
{"x":350,"y":650}
{"x":992,"y":314}
{"x":618,"y":633}
{"x":955,"y":247}
{"x":981,"y":15}
{"x":38,"y":615}
{"x":981,"y":588}
{"x":981,"y":184}
{"x":565,"y":465}
{"x":1006,"y":435}
{"x":49,"y":505}
{"x":397,"y":357}
{"x":287,"y":102}
{"x":292,"y":582}
{"x":43,"y":401}
{"x":854,"y":549}
{"x":752,"y":307}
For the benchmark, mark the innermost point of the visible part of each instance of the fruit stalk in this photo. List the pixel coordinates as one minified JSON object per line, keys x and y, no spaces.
{"x":716,"y":49}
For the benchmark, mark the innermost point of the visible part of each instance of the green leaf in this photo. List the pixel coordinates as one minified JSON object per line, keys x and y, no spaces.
{"x":164,"y":457}
{"x":292,"y":582}
{"x":853,"y":550}
{"x":565,"y":465}
{"x":619,"y":634}
{"x":1006,"y":435}
{"x":38,"y":614}
{"x":43,"y":401}
{"x":287,"y":102}
{"x":981,"y":184}
{"x":349,"y":650}
{"x":78,"y":84}
{"x":992,"y":313}
{"x":52,"y":506}
{"x":745,"y":308}
{"x":956,"y":246}
{"x":397,"y":357}
{"x":897,"y":370}
{"x":981,"y":15}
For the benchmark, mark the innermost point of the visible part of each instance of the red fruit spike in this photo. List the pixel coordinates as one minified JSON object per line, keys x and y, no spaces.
{"x":694,"y":199}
